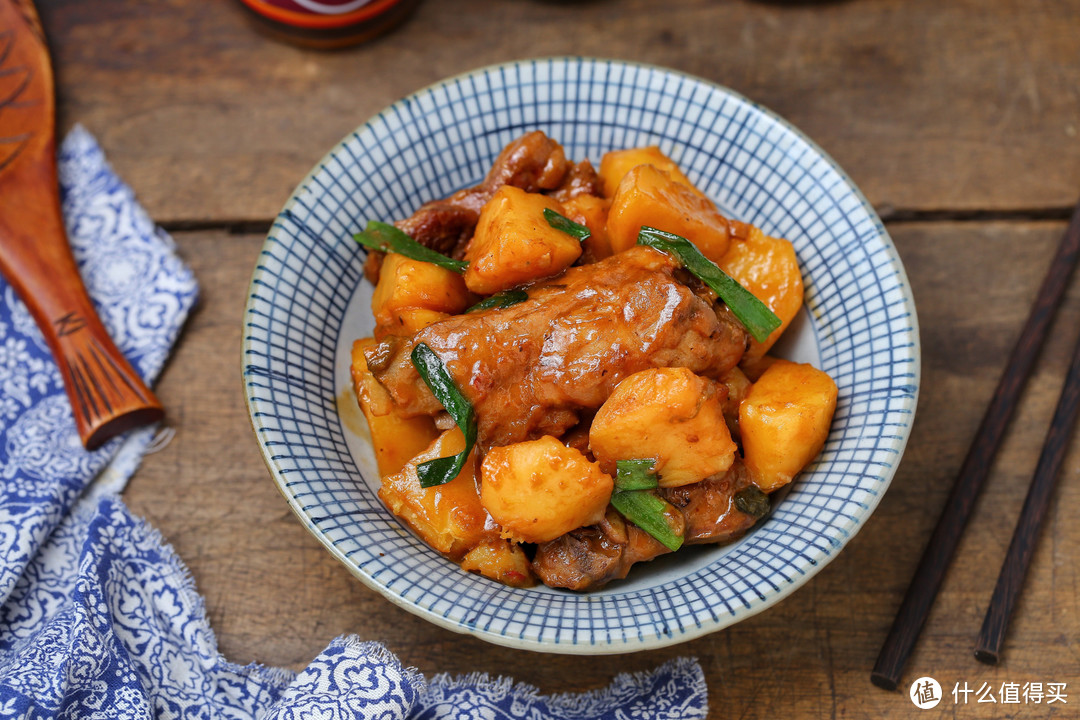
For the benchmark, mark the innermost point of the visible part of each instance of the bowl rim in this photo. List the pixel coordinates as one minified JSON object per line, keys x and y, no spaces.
{"x":640,"y":643}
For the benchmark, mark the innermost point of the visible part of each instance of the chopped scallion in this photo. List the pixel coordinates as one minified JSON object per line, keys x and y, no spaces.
{"x":750,"y":311}
{"x":635,"y":474}
{"x":649,"y":513}
{"x":435,"y":375}
{"x":568,"y":226}
{"x":506,"y":298}
{"x":387,"y":238}
{"x":752,"y":501}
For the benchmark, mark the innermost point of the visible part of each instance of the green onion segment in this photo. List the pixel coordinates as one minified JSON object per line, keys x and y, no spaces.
{"x":752,"y":501}
{"x":635,"y":475}
{"x":750,"y":311}
{"x":633,"y":480}
{"x":568,"y":226}
{"x":646,"y":511}
{"x":387,"y":238}
{"x":506,"y":298}
{"x":435,"y":375}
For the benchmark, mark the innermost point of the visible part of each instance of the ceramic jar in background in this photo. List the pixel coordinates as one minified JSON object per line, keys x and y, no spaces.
{"x":328,"y":24}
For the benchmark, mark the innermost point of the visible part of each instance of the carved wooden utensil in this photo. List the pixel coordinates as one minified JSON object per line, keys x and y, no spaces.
{"x":107,"y":396}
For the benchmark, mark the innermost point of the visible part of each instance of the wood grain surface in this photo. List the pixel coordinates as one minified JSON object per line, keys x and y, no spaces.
{"x":961,"y":105}
{"x":275,"y":596}
{"x":961,"y":122}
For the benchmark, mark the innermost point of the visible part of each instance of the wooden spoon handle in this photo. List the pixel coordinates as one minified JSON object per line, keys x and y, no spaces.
{"x":107,"y":396}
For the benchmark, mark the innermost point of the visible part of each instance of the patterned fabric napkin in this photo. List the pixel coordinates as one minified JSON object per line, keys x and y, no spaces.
{"x":98,"y":616}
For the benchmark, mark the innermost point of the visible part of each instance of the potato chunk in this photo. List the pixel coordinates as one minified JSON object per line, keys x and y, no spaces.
{"x":411,"y":292}
{"x":768,"y":268}
{"x":396,"y":439}
{"x":540,"y":489}
{"x":448,"y":517}
{"x":647,"y":196}
{"x":410,"y":321}
{"x":500,"y":560}
{"x":615,"y":164}
{"x":670,"y":415}
{"x":514,"y":244}
{"x":784,"y":421}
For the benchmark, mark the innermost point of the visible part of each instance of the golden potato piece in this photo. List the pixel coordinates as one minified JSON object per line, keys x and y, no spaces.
{"x":448,"y":517}
{"x":592,"y":212}
{"x":395,"y":439}
{"x":500,"y":560}
{"x":647,"y":196}
{"x":409,"y":321}
{"x":784,"y":421}
{"x":615,"y":164}
{"x":671,"y":416}
{"x":540,"y":489}
{"x":514,"y":244}
{"x":768,"y":268}
{"x":407,"y":286}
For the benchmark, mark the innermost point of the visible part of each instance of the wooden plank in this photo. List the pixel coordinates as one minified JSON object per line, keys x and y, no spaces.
{"x":963,"y":105}
{"x":275,"y":596}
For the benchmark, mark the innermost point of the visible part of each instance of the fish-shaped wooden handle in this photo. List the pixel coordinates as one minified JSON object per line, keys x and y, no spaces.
{"x":107,"y":396}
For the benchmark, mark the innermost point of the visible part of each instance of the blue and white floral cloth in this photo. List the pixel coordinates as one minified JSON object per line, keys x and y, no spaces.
{"x":98,"y":617}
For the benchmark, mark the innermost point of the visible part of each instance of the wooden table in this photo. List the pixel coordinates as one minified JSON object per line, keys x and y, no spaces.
{"x":961,"y":122}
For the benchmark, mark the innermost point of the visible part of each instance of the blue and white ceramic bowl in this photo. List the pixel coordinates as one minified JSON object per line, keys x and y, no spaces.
{"x":308,"y":303}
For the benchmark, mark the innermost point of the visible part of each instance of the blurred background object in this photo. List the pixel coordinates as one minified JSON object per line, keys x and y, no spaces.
{"x":327,"y":24}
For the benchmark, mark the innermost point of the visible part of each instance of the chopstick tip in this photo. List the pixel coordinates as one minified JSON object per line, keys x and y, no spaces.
{"x":883,"y":681}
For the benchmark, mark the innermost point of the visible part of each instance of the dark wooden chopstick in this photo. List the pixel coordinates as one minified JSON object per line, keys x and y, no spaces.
{"x":1022,"y":547}
{"x":935,"y":560}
